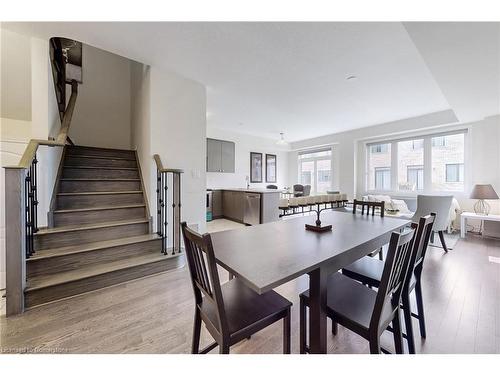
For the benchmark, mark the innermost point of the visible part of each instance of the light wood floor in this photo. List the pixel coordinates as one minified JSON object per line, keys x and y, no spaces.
{"x":154,"y":314}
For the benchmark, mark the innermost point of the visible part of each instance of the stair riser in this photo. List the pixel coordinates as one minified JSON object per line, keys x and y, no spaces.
{"x":87,"y":201}
{"x":53,"y":293}
{"x":100,"y":152}
{"x":100,"y":173}
{"x":71,"y":262}
{"x":96,"y":162}
{"x":100,"y":216}
{"x":84,"y":186}
{"x":52,"y":240}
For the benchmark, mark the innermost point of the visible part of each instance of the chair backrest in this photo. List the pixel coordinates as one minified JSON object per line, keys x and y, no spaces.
{"x":203,"y":270}
{"x":396,"y":270}
{"x":271,"y":187}
{"x":298,"y":187}
{"x":422,"y":237}
{"x":307,"y":190}
{"x":440,"y":204}
{"x":367,"y":205}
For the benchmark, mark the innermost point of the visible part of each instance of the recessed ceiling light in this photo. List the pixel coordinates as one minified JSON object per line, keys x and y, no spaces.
{"x":350,"y":78}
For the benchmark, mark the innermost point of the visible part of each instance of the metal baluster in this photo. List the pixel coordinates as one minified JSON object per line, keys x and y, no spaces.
{"x":165,"y":208}
{"x":180,"y":194}
{"x":27,"y":214}
{"x":158,"y":204}
{"x":35,"y":196}
{"x":173,"y":212}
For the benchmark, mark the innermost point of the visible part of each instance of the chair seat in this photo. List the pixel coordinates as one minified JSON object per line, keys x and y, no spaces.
{"x":366,"y":270}
{"x":369,"y":271}
{"x":350,"y":301}
{"x":244,"y":307}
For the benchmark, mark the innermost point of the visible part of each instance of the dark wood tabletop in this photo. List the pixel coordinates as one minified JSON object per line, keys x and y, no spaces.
{"x":268,"y":255}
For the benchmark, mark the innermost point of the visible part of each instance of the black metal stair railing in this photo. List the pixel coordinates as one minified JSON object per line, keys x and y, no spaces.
{"x":163,"y":197}
{"x":31,"y":203}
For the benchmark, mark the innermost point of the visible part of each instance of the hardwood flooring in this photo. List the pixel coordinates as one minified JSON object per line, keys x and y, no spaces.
{"x":155,"y":314}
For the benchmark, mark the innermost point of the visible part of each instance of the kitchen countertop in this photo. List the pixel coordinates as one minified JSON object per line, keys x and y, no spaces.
{"x":251,"y":190}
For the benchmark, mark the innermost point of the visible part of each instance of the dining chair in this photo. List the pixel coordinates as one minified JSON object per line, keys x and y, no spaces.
{"x":298,"y":190}
{"x":232,"y":311}
{"x":362,"y":310}
{"x":441,"y":205}
{"x":369,"y":272}
{"x":375,"y":207}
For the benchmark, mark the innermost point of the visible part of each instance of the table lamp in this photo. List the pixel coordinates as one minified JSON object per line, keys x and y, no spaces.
{"x":482,"y":192}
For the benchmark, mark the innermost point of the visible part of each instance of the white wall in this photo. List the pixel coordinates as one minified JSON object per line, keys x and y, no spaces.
{"x":15,"y":91}
{"x":482,"y":151}
{"x":43,"y":121}
{"x":140,"y":108}
{"x":178,"y":132}
{"x":244,"y":144}
{"x":102,"y":112}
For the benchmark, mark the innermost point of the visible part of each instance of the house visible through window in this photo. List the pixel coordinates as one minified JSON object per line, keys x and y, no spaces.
{"x":415,"y":176}
{"x":454,"y":172}
{"x":428,"y":163}
{"x":382,"y":178}
{"x":315,"y":169}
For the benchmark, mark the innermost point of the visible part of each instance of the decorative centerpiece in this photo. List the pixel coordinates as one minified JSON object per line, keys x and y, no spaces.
{"x":318,"y":227}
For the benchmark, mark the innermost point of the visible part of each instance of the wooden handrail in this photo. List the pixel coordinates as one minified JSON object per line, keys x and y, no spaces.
{"x":60,"y":141}
{"x":159,"y":166}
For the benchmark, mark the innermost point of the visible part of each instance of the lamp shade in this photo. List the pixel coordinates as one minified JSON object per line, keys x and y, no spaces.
{"x":483,"y":192}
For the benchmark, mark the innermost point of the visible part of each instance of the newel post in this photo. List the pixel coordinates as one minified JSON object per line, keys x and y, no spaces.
{"x":15,"y":239}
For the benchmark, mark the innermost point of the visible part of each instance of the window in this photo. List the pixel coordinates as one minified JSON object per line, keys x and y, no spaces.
{"x":379,"y":167}
{"x":417,"y":144}
{"x":382,"y":178}
{"x":427,"y":163}
{"x":381,"y":148}
{"x":438,"y":141}
{"x":454,"y":173}
{"x":448,"y":157}
{"x":415,"y":177}
{"x":315,"y":169}
{"x":411,"y":165}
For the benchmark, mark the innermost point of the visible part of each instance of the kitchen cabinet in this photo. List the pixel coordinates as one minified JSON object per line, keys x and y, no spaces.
{"x":220,"y":156}
{"x":233,"y":205}
{"x":217,"y":204}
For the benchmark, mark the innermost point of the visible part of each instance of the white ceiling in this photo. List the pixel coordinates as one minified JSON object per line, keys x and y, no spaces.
{"x":263,"y":78}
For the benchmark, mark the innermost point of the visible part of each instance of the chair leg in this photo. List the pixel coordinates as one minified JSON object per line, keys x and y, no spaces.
{"x":302,"y":327}
{"x":408,"y":324}
{"x":335,"y":327}
{"x":381,"y":254}
{"x":375,"y":344}
{"x":420,"y":309}
{"x":441,"y":237}
{"x":398,"y":336}
{"x":287,"y":333}
{"x":195,"y":347}
{"x":224,"y":348}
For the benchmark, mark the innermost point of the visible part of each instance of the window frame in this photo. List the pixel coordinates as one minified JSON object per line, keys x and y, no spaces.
{"x":301,"y":158}
{"x":427,"y":162}
{"x":459,"y":172}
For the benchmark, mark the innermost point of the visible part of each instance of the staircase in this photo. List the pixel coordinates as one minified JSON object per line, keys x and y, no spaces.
{"x":101,"y":232}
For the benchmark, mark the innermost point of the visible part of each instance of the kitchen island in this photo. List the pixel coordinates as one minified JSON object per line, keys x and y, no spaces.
{"x":248,"y":206}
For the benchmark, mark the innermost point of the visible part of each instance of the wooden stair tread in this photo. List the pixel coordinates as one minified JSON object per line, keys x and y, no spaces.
{"x":98,"y":208}
{"x":100,"y":148}
{"x":99,"y":179}
{"x":44,"y":281}
{"x":71,"y":228}
{"x":109,"y":157}
{"x":92,"y":246}
{"x":101,"y":192}
{"x":99,"y":167}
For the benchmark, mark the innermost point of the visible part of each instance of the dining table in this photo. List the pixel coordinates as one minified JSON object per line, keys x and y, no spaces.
{"x":268,"y":255}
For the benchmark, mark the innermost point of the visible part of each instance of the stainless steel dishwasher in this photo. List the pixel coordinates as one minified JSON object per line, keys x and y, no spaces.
{"x":251,"y":214}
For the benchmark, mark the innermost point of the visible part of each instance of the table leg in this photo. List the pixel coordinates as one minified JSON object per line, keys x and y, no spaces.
{"x":463,"y":225}
{"x":317,"y":311}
